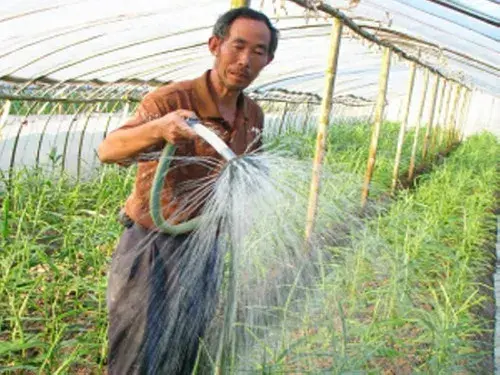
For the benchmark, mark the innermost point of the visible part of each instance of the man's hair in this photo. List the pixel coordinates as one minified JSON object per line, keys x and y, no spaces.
{"x":224,"y":22}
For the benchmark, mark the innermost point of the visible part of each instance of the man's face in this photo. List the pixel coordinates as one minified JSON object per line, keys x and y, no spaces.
{"x":240,"y":57}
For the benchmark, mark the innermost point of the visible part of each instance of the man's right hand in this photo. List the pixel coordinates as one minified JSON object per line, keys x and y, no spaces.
{"x":174,"y":128}
{"x":127,"y":142}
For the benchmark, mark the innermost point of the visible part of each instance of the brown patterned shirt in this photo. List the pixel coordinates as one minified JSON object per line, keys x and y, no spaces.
{"x":180,"y":199}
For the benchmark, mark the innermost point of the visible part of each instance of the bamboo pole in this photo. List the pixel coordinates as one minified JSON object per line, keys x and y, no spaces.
{"x":458,"y":114}
{"x":437,"y":128}
{"x":411,"y":169}
{"x":467,"y":111}
{"x":402,"y":129}
{"x":445,"y":114}
{"x":451,"y":114}
{"x":379,"y":116}
{"x":428,"y":129}
{"x":455,"y":114}
{"x":326,"y":105}
{"x":465,"y":114}
{"x":240,"y":3}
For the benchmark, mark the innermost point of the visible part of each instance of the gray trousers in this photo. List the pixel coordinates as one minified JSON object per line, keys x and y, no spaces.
{"x":154,"y":323}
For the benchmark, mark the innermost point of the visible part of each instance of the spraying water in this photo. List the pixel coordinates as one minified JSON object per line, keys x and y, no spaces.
{"x":246,"y":275}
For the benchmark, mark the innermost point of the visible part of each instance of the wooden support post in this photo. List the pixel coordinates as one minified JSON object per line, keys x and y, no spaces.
{"x":437,"y":127}
{"x":428,"y":129}
{"x":411,"y":169}
{"x":455,"y":116}
{"x":402,"y":129}
{"x":326,"y":105}
{"x":451,"y":115}
{"x":377,"y":123}
{"x":467,"y":110}
{"x":240,"y":3}
{"x":446,"y":114}
{"x":458,"y":114}
{"x":465,"y":113}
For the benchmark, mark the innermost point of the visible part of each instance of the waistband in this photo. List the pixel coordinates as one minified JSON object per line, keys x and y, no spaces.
{"x":124,"y":219}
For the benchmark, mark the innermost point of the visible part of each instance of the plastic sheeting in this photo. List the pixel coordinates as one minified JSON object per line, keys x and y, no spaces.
{"x":160,"y":40}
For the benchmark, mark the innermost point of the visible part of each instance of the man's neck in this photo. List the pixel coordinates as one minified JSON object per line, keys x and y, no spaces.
{"x":226,"y":98}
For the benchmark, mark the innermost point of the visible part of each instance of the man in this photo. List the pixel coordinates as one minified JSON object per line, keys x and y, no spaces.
{"x":243,"y":43}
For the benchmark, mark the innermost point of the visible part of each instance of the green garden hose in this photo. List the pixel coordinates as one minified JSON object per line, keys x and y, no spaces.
{"x":162,"y":169}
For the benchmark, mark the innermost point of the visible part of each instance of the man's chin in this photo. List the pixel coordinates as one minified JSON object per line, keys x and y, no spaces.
{"x":237,"y":86}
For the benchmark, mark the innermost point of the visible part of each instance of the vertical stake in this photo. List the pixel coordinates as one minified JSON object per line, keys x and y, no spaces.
{"x":326,"y":105}
{"x":454,"y":117}
{"x":446,"y":113}
{"x":402,"y":129}
{"x":377,"y":124}
{"x":451,"y":115}
{"x":240,"y":3}
{"x":465,"y":113}
{"x":437,"y":127}
{"x":411,"y":169}
{"x":428,"y":129}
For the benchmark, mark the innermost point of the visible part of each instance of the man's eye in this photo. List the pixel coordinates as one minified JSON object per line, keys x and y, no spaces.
{"x":259,"y":52}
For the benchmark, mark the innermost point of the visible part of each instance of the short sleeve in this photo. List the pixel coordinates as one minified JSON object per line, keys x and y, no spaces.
{"x":150,"y":108}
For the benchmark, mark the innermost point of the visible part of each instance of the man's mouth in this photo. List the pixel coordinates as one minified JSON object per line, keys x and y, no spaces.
{"x":240,"y":75}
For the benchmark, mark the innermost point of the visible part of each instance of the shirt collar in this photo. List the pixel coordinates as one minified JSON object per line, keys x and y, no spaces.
{"x":206,"y":104}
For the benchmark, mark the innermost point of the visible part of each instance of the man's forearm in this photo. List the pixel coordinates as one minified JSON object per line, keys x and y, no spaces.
{"x":126,"y":143}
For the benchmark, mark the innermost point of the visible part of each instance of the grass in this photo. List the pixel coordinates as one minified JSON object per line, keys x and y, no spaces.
{"x":347,"y":149}
{"x":411,"y":302}
{"x":407,"y":303}
{"x":54,"y":264}
{"x":72,"y":105}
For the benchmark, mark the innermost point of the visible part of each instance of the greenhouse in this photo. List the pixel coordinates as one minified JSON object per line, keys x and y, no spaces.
{"x":357,"y":231}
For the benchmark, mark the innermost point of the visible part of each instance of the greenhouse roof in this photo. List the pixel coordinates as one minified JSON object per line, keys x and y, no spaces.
{"x":157,"y":41}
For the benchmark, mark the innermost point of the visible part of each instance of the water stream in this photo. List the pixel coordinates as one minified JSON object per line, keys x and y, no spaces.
{"x":247,"y":269}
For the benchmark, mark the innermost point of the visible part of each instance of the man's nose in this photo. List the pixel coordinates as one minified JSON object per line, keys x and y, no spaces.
{"x":244,"y":58}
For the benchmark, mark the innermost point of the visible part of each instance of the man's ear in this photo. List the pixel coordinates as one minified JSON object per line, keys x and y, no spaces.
{"x":269,"y":59}
{"x":214,"y":44}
